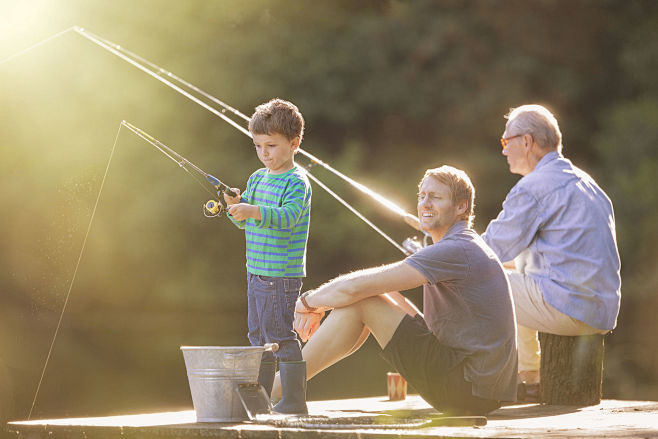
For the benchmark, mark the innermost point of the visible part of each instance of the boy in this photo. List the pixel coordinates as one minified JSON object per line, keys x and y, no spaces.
{"x":275,"y":212}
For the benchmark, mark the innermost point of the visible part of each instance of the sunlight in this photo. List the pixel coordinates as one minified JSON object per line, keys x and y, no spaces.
{"x":141,"y":420}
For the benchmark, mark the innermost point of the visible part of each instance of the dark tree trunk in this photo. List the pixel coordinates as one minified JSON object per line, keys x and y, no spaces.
{"x":571,"y":369}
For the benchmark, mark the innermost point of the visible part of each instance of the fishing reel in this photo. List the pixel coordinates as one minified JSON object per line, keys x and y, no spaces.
{"x":212,"y":209}
{"x":414,"y":244}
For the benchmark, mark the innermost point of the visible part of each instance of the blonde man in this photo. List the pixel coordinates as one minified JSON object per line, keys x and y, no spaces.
{"x":461,"y":355}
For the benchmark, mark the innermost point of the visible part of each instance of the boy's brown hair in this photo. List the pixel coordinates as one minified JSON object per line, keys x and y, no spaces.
{"x":278,"y":116}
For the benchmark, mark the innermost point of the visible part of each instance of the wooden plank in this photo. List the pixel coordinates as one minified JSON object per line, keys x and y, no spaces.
{"x":629,"y":419}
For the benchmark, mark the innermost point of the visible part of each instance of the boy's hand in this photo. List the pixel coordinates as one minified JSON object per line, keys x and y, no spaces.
{"x":232,"y":200}
{"x":242,"y":211}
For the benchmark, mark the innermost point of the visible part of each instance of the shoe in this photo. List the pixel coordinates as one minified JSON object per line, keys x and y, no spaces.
{"x":266,"y":375}
{"x":293,"y":388}
{"x":528,"y":392}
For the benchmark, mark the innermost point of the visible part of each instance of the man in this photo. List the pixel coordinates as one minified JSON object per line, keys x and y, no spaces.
{"x":558,"y":228}
{"x":461,"y":356}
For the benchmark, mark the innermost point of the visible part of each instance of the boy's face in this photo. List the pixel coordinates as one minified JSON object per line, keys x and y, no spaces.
{"x":276,"y":151}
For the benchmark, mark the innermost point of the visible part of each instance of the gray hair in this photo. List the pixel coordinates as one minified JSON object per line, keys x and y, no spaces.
{"x":539,"y":122}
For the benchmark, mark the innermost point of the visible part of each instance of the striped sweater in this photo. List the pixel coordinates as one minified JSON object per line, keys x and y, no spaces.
{"x":276,"y":245}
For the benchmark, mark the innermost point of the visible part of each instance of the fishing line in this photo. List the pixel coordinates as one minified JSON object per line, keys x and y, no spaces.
{"x":115,"y":50}
{"x":75,"y":272}
{"x":357,"y":213}
{"x":173,"y":155}
{"x":160,"y":70}
{"x":34,"y":46}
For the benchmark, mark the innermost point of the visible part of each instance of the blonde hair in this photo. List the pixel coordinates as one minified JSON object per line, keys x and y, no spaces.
{"x":539,"y":122}
{"x":461,"y":188}
{"x":278,"y":116}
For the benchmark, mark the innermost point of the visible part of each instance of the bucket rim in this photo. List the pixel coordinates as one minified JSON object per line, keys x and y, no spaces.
{"x":191,"y":348}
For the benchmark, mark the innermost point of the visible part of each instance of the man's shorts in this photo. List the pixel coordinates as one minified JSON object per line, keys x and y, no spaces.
{"x":436,"y":371}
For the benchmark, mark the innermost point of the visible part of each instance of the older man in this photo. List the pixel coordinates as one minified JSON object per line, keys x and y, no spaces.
{"x":461,"y":355}
{"x":558,"y":227}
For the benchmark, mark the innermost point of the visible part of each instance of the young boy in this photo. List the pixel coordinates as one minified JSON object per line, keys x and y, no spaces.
{"x":275,"y":211}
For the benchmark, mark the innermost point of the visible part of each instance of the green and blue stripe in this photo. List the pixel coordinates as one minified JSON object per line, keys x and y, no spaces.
{"x":276,"y":245}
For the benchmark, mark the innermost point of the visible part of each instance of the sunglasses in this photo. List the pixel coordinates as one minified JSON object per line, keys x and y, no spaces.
{"x":504,"y":141}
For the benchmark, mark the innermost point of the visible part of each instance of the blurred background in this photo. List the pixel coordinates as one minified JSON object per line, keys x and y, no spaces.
{"x":387,"y":88}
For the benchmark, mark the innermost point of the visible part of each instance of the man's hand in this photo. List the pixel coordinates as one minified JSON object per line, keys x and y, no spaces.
{"x":232,"y":200}
{"x":306,"y":322}
{"x":242,"y":211}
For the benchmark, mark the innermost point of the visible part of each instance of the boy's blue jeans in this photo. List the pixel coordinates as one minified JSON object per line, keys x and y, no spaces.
{"x":271,"y":313}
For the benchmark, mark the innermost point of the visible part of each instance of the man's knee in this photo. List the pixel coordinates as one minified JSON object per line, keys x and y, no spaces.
{"x":358,"y":309}
{"x":381,"y":316}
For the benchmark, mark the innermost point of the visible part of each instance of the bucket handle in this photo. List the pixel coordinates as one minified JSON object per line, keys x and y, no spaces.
{"x":267,"y":347}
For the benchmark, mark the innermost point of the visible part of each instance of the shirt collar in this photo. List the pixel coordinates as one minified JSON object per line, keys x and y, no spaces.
{"x":456,"y":228}
{"x":553,"y":155}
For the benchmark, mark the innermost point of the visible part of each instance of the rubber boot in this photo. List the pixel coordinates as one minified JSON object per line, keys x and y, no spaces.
{"x":293,"y":388}
{"x":266,"y":375}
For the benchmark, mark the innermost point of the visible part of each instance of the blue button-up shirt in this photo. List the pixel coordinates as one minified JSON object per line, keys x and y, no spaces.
{"x":558,"y":226}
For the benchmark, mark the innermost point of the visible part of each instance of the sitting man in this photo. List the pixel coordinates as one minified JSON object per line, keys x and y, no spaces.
{"x":461,"y":355}
{"x":558,"y":228}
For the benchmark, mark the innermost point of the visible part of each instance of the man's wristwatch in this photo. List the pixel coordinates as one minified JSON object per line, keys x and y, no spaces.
{"x":306,"y":305}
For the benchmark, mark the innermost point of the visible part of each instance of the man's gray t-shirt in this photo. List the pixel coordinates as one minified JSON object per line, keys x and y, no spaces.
{"x":468,"y":306}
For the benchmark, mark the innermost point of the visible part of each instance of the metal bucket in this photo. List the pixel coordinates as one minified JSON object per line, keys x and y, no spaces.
{"x":213,"y":373}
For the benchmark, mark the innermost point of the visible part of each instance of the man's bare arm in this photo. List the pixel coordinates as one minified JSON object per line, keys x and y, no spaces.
{"x":354,"y":287}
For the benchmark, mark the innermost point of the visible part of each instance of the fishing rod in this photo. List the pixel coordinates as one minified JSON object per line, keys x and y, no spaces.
{"x":156,"y":71}
{"x":211,"y":208}
{"x":188,"y":90}
{"x":214,"y":208}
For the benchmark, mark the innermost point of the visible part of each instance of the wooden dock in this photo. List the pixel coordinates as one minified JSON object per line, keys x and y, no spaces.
{"x":611,"y":418}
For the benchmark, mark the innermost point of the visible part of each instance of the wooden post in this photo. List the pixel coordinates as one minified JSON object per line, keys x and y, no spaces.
{"x":571,"y":369}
